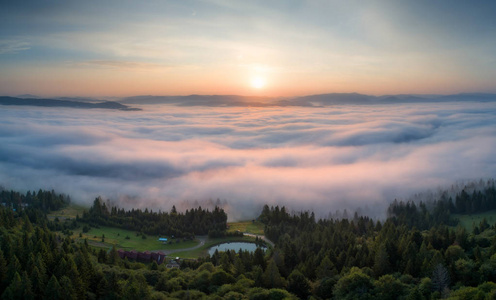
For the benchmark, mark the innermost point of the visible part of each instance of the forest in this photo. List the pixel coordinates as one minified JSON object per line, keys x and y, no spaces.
{"x":420,"y":251}
{"x":195,"y":221}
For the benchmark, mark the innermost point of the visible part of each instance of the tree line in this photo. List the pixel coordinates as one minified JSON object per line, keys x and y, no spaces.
{"x":195,"y":221}
{"x":358,"y":258}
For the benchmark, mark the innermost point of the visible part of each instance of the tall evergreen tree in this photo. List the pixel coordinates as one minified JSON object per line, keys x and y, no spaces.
{"x":271,"y":277}
{"x":53,"y":289}
{"x":298,"y":284}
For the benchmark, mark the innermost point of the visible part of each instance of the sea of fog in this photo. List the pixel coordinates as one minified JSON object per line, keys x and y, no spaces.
{"x":319,"y":159}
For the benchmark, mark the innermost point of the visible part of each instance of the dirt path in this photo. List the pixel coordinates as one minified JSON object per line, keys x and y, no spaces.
{"x":260,"y":237}
{"x":202,"y":240}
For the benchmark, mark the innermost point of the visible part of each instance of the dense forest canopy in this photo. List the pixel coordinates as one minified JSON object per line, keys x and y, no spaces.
{"x":419,"y":252}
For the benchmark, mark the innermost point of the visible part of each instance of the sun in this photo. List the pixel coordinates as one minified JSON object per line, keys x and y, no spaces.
{"x":258,"y":82}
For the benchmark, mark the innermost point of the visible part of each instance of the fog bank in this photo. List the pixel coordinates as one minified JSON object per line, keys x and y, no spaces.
{"x":322,"y":159}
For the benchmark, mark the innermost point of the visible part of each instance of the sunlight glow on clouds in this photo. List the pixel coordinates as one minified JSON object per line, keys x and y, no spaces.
{"x":210,"y":47}
{"x":306,"y":158}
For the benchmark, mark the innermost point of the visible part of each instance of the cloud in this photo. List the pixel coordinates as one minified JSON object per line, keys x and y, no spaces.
{"x":324,"y":159}
{"x":121,"y":64}
{"x":13,"y":46}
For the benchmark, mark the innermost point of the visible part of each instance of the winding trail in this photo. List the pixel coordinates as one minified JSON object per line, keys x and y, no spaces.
{"x":261,"y":237}
{"x":202,"y":240}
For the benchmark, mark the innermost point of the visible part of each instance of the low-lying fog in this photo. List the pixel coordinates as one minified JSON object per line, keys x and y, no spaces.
{"x":322,"y":159}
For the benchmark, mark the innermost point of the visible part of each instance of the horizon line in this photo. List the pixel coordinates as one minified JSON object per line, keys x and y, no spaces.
{"x":250,"y":96}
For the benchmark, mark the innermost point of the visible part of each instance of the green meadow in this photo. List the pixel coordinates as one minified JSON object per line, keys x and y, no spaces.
{"x":69,"y":212}
{"x":128,"y":240}
{"x":247,"y":226}
{"x":468,"y":221}
{"x":106,"y":237}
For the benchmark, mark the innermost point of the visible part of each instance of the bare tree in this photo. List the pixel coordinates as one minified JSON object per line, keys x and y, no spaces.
{"x":440,"y":278}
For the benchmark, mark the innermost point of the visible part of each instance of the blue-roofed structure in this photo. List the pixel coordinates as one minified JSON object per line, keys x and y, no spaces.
{"x":162,"y":240}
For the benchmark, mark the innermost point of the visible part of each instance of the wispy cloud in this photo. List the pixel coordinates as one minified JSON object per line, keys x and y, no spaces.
{"x":120,"y":64}
{"x":13,"y":46}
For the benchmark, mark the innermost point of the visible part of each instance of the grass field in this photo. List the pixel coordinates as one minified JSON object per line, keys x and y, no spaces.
{"x":467,"y":221}
{"x":247,"y":226}
{"x":118,"y":236}
{"x":68,"y":212}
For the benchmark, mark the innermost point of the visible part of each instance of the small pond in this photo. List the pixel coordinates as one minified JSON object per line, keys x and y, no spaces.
{"x":234,"y":246}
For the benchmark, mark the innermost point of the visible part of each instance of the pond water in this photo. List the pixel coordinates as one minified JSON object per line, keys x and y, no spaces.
{"x":234,"y":246}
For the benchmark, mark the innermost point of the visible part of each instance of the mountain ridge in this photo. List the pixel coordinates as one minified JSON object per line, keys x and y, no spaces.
{"x":48,"y":102}
{"x":315,"y":100}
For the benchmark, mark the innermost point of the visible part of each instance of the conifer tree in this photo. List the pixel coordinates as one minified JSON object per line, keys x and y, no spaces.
{"x":67,"y":291}
{"x":326,"y":269}
{"x":298,"y":284}
{"x":3,"y":271}
{"x":14,"y":290}
{"x":26,"y":287}
{"x":271,"y":277}
{"x":53,"y":289}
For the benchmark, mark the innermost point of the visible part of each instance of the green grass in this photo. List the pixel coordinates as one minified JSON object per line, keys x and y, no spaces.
{"x":203,"y":250}
{"x":467,"y":221}
{"x":247,"y":226}
{"x":117,"y":236}
{"x":68,"y":212}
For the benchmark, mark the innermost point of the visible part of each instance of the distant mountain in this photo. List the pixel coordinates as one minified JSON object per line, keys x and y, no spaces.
{"x":304,"y":101}
{"x":30,"y":96}
{"x":485,"y":97}
{"x":328,"y":99}
{"x":5,"y":100}
{"x":360,"y":99}
{"x":319,"y":100}
{"x":201,"y":100}
{"x":78,"y":99}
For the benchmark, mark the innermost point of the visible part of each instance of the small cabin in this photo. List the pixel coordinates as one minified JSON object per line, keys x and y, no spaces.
{"x":173,"y":264}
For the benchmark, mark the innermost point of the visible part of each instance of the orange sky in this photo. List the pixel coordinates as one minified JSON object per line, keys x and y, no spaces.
{"x":220,"y":47}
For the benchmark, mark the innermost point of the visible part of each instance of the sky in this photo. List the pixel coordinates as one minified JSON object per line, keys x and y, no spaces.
{"x":354,"y":157}
{"x":270,"y":48}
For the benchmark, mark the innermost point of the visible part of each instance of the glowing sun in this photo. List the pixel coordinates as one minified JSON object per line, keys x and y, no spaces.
{"x":258,"y":82}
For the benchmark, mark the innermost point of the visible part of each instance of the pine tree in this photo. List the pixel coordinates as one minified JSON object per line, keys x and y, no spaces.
{"x":239,"y":267}
{"x":61,"y":268}
{"x":102,"y":288}
{"x":15,"y":287}
{"x":67,"y":291}
{"x":53,"y":289}
{"x":225,"y":263}
{"x":37,"y":281}
{"x":271,"y":277}
{"x":26,"y":287}
{"x":73,"y":274}
{"x":3,"y":271}
{"x":298,"y":284}
{"x":114,"y":258}
{"x":326,"y":269}
{"x":258,"y":259}
{"x":381,"y":261}
{"x":13,"y":267}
